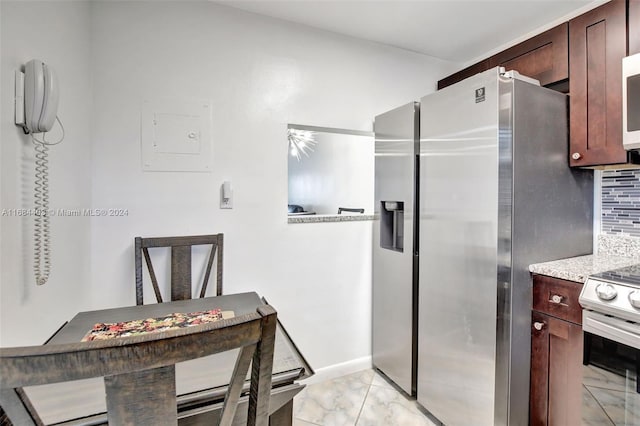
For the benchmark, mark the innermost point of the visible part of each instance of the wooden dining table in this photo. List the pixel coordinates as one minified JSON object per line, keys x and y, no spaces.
{"x":200,"y":383}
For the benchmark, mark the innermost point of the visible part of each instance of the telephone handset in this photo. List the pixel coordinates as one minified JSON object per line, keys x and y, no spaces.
{"x":40,"y":97}
{"x":37,"y":98}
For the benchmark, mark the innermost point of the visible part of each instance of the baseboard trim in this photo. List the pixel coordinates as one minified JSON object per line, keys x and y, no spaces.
{"x":338,"y":370}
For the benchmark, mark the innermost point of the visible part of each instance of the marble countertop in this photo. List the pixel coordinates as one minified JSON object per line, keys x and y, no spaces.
{"x":329,"y":218}
{"x":579,"y":268}
{"x":613,"y":252}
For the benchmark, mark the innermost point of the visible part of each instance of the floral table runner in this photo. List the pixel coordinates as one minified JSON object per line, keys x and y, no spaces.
{"x":103,"y":331}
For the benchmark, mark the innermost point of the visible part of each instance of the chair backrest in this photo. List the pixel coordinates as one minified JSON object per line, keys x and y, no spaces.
{"x":180,"y":264}
{"x":349,"y":209}
{"x":139,"y":371}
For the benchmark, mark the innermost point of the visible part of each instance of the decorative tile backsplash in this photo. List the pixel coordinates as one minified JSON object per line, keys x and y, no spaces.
{"x":621,"y":202}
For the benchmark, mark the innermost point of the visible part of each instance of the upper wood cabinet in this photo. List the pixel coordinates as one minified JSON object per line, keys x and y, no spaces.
{"x":597,"y":44}
{"x":544,"y":57}
{"x":634,"y":26}
{"x":461,"y":75}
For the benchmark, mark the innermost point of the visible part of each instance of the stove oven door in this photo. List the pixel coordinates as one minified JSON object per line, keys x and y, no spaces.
{"x":610,"y":387}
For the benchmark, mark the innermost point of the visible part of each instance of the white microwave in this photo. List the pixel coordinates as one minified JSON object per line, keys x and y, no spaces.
{"x":631,"y":102}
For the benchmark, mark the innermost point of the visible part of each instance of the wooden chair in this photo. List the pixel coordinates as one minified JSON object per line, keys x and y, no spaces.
{"x":139,"y":371}
{"x":180,"y":264}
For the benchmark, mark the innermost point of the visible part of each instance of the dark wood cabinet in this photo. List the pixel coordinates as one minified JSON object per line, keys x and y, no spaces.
{"x":465,"y":73}
{"x":539,"y":389}
{"x":544,"y":57}
{"x":634,"y":26}
{"x":558,"y":298}
{"x":597,"y":44}
{"x":556,"y":353}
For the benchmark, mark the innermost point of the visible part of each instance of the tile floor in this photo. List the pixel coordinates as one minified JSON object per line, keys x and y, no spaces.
{"x":362,"y":399}
{"x":367,"y":399}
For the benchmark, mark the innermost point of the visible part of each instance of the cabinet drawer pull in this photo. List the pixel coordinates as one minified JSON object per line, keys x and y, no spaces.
{"x":538,"y":325}
{"x":556,"y":298}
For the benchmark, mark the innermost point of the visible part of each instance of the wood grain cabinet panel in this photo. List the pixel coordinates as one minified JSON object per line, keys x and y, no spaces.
{"x":465,"y":73}
{"x":544,"y":57}
{"x":556,"y":358}
{"x":565,"y":372}
{"x":597,"y":44}
{"x":539,"y":396}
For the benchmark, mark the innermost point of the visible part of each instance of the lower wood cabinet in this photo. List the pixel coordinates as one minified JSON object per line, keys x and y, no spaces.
{"x":556,"y":358}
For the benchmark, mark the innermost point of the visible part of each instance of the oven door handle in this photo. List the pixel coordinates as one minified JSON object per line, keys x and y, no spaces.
{"x":610,"y":328}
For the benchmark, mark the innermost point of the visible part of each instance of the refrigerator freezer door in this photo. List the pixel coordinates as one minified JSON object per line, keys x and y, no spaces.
{"x":458,"y":251}
{"x":393,"y":245}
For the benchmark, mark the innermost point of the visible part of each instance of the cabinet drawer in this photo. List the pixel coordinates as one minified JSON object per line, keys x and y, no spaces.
{"x":558,"y":298}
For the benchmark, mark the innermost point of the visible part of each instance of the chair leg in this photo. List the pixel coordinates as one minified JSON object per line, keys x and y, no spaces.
{"x":14,"y":409}
{"x":235,"y":385}
{"x":261,"y":370}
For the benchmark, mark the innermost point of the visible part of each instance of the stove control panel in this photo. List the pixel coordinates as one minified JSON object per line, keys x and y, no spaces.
{"x":634,"y":299}
{"x":616,"y":299}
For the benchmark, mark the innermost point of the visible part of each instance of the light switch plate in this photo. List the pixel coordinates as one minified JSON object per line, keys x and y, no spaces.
{"x":226,"y":195}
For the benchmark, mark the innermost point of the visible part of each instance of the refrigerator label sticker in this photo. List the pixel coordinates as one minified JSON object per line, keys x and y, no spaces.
{"x":480,"y":95}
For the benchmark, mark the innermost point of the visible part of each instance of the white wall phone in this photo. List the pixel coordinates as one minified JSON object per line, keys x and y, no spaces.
{"x":36,"y":103}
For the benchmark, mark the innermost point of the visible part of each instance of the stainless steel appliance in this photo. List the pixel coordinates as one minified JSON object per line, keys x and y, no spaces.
{"x":496,"y":194}
{"x":395,"y":248}
{"x":611,"y":325}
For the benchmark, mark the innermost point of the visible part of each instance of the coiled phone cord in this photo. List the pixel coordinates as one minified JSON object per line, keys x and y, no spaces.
{"x":42,"y":238}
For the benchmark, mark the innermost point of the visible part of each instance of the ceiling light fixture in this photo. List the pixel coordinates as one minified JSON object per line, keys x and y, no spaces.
{"x":301,"y":142}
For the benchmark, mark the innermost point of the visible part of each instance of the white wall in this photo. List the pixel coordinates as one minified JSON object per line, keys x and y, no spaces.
{"x":337,"y":173}
{"x":260,"y":74}
{"x":59,"y":34}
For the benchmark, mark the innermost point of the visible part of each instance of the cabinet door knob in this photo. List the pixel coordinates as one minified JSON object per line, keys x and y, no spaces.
{"x":538,"y":325}
{"x":576,"y":156}
{"x":556,"y":298}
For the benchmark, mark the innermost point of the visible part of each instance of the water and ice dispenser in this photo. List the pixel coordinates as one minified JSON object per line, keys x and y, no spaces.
{"x":392,"y":225}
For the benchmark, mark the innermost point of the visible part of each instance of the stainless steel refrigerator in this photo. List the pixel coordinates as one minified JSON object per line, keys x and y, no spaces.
{"x":395,"y":245}
{"x":496,"y":194}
